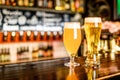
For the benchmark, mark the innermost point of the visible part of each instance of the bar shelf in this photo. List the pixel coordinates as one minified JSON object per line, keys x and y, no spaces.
{"x":37,"y":9}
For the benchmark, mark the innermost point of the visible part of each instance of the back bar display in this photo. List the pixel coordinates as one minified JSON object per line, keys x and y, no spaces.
{"x":14,"y":20}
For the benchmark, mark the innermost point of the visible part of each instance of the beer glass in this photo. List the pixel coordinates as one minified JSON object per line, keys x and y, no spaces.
{"x":92,"y":26}
{"x":72,"y":40}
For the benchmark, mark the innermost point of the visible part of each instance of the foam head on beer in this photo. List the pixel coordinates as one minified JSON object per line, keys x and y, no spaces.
{"x":93,"y":19}
{"x":92,"y":28}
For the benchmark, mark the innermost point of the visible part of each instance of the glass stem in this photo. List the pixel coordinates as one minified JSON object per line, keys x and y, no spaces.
{"x":72,"y":60}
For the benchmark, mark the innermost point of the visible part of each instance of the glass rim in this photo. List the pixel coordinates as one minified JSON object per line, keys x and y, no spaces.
{"x":72,"y":24}
{"x":92,"y":19}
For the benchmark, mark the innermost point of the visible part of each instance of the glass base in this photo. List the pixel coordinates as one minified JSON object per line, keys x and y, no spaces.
{"x":68,"y":64}
{"x":92,"y":64}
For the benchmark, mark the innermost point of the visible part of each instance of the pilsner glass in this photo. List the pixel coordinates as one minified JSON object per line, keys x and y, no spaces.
{"x":92,"y":28}
{"x":72,"y":40}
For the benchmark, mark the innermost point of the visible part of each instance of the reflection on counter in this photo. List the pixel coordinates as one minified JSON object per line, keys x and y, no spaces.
{"x":92,"y":74}
{"x":55,"y":70}
{"x":72,"y":74}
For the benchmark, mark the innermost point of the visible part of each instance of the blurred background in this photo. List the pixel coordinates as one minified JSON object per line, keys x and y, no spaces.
{"x":33,"y":29}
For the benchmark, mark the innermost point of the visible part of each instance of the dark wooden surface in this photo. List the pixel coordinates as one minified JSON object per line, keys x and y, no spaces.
{"x":109,"y":69}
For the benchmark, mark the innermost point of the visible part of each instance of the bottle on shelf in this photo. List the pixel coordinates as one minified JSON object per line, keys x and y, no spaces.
{"x":32,"y":36}
{"x":21,"y":53}
{"x":17,"y":36}
{"x":7,"y":2}
{"x":77,"y":4}
{"x":45,"y":4}
{"x":81,"y":8}
{"x":18,"y":53}
{"x":21,"y":35}
{"x":72,"y":5}
{"x":2,"y":2}
{"x":40,"y":51}
{"x":20,"y":2}
{"x":45,"y":48}
{"x":25,"y":53}
{"x":5,"y":36}
{"x":50,"y":4}
{"x":38,"y":36}
{"x":1,"y":37}
{"x":13,"y":2}
{"x":57,"y":36}
{"x":41,"y":35}
{"x":24,"y":38}
{"x":54,"y":35}
{"x":28,"y":35}
{"x":26,"y":3}
{"x":51,"y":37}
{"x":40,"y":3}
{"x":35,"y":53}
{"x":61,"y":35}
{"x":0,"y":55}
{"x":9,"y":36}
{"x":7,"y":55}
{"x":48,"y":35}
{"x":35,"y":35}
{"x":50,"y":50}
{"x":13,"y":34}
{"x":31,"y":3}
{"x":67,"y":4}
{"x":60,"y":5}
{"x":45,"y":37}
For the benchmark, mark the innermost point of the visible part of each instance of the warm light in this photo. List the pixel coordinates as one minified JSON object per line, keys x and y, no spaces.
{"x":36,"y":33}
{"x":13,"y":33}
{"x":21,"y":32}
{"x":48,"y":32}
{"x":55,"y":33}
{"x":5,"y":33}
{"x":72,"y":75}
{"x":42,"y":33}
{"x":112,"y":56}
{"x":28,"y":33}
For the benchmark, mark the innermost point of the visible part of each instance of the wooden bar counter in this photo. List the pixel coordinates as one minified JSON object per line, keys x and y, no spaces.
{"x":54,"y":69}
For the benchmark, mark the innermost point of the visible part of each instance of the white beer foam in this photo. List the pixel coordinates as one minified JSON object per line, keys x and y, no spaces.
{"x":72,"y":25}
{"x":93,"y":19}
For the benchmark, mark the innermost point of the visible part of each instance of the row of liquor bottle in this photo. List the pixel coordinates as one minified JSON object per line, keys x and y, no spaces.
{"x":74,"y":5}
{"x":25,"y":53}
{"x":23,"y":36}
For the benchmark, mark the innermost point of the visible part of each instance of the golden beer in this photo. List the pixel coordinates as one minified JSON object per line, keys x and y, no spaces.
{"x":92,"y":28}
{"x":71,"y":44}
{"x":72,"y":75}
{"x":72,"y":38}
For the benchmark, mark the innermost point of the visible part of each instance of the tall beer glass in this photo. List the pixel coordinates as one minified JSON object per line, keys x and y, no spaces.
{"x":72,"y":40}
{"x":92,"y":26}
